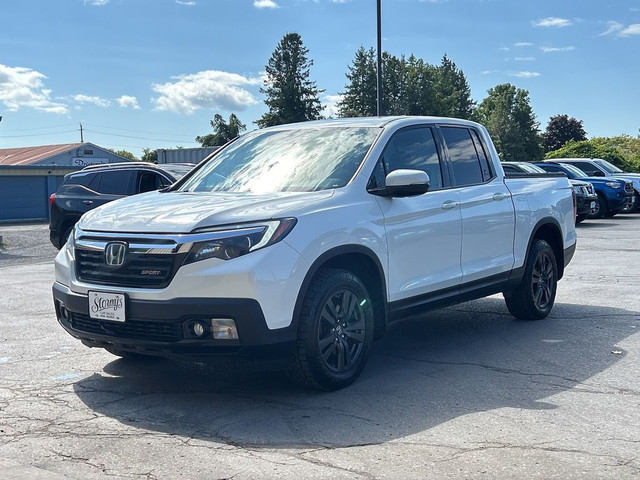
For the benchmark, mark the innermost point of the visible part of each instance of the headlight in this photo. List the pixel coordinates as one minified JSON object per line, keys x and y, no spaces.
{"x":234,"y":242}
{"x":578,"y":190}
{"x":614,"y":185}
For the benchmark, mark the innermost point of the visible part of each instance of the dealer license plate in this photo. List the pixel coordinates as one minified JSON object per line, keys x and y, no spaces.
{"x":107,"y":306}
{"x":593,"y":204}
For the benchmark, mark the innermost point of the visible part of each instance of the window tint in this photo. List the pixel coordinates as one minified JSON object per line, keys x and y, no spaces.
{"x":482,"y":155}
{"x":464,"y":159}
{"x":586,"y":167}
{"x":148,"y":181}
{"x":413,"y":149}
{"x":115,"y":183}
{"x":83,"y":179}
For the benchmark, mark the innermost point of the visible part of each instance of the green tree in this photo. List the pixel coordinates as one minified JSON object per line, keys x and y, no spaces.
{"x":451,"y":91}
{"x":124,"y":153}
{"x":561,"y":129}
{"x":359,"y":98}
{"x":222,"y":131}
{"x":149,"y":155}
{"x":291,"y":96}
{"x":623,"y":151}
{"x":419,"y":94}
{"x":508,"y":116}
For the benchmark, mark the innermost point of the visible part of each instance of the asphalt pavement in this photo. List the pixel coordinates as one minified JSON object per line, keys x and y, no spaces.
{"x":462,"y":392}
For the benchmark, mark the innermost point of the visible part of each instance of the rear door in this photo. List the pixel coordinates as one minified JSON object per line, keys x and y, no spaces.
{"x":107,"y":187}
{"x":488,"y":219}
{"x":423,"y":232}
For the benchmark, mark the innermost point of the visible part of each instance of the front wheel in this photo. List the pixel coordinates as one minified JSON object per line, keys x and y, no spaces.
{"x":534,"y":297}
{"x":335,"y":331}
{"x":601,"y":208}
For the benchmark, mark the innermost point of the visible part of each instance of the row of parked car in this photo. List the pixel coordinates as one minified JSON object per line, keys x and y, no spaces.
{"x":602,"y":189}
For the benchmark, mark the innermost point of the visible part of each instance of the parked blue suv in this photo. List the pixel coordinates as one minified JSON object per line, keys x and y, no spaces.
{"x":614,"y":194}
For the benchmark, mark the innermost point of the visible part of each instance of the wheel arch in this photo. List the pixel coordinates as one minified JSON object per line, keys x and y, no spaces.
{"x":362,"y":262}
{"x":548,"y":229}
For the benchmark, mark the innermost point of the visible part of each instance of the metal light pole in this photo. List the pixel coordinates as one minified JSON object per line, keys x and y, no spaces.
{"x":379,"y":69}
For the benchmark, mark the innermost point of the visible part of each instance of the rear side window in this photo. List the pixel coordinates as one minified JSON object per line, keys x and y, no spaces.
{"x":84,"y":179}
{"x":115,"y":183}
{"x":413,"y":149}
{"x":464,"y":156}
{"x":587,"y":168}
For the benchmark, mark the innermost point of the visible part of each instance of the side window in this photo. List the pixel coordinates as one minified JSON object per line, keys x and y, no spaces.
{"x":413,"y":149}
{"x":83,"y":179}
{"x":586,"y":168}
{"x":464,"y":158}
{"x":482,"y":155}
{"x":115,"y":183}
{"x":148,"y":181}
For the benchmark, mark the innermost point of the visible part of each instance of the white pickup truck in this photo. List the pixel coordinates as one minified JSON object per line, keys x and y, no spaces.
{"x":303,"y":242}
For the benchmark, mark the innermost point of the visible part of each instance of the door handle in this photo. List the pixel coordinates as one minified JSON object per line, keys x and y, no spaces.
{"x":500,"y":196}
{"x":449,"y":204}
{"x":87,"y":202}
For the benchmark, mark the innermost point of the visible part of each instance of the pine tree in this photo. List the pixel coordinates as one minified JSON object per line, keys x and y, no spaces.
{"x":452,"y":91}
{"x":359,"y":98}
{"x":222,"y":131}
{"x":291,"y":96}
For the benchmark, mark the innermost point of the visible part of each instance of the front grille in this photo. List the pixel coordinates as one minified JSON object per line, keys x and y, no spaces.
{"x":133,"y":329}
{"x":139,"y":270}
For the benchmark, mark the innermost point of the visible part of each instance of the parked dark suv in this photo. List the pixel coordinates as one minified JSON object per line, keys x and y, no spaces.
{"x":96,"y":185}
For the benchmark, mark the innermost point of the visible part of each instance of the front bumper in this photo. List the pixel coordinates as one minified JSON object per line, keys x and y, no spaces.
{"x":583,"y":203}
{"x":163,"y":328}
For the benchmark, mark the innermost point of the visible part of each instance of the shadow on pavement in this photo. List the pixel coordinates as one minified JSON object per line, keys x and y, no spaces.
{"x":470,"y":358}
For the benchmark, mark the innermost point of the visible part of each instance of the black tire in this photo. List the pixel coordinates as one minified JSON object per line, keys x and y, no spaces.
{"x":580,"y":218}
{"x":533,"y":298}
{"x":601,"y":208}
{"x":332,"y":346}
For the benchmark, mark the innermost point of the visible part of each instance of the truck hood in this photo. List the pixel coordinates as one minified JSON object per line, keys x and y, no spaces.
{"x":183,"y":212}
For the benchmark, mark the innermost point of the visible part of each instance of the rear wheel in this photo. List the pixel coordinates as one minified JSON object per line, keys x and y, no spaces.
{"x":533,"y":298}
{"x":335,"y":331}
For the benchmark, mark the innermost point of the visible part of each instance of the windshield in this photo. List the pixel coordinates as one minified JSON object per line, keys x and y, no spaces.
{"x":609,"y":167}
{"x":574,"y":170}
{"x":298,"y":160}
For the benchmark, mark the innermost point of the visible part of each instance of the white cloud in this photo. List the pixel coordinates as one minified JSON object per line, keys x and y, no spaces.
{"x":340,"y":1}
{"x":552,"y":22}
{"x":96,"y":3}
{"x":633,"y":29}
{"x":100,"y":102}
{"x":524,"y":59}
{"x":504,"y":49}
{"x":613,"y":27}
{"x":211,"y":89}
{"x":24,"y":87}
{"x":525,"y":74}
{"x":265,"y":4}
{"x":128,"y":101}
{"x":187,"y":4}
{"x":556,"y":49}
{"x":331,"y":105}
{"x":523,"y":44}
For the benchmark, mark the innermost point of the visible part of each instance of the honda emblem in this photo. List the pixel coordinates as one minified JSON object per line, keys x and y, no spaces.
{"x":115,"y":253}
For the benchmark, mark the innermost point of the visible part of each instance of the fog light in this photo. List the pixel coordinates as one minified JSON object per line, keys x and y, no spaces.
{"x":198,"y":329}
{"x":224,"y":329}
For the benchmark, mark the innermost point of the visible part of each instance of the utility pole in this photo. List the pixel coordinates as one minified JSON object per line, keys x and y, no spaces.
{"x":81,"y":134}
{"x":379,"y":69}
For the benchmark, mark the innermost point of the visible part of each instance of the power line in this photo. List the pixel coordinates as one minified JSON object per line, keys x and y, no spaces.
{"x":136,"y":138}
{"x":37,"y":128}
{"x":139,"y":131}
{"x":36,"y":134}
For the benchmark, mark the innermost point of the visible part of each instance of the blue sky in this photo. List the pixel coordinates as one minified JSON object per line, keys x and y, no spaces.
{"x":152,"y":73}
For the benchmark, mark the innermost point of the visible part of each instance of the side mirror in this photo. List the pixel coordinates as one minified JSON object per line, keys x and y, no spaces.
{"x":403,"y":183}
